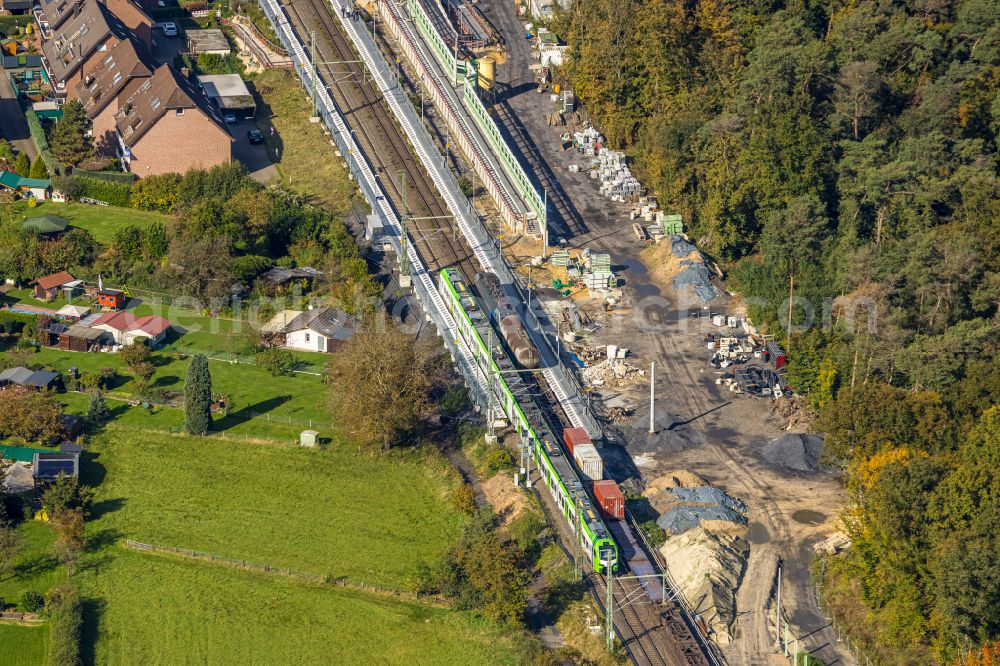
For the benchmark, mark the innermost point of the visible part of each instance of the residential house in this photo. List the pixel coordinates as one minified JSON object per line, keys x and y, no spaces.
{"x":75,"y":48}
{"x":167,"y":126}
{"x":51,"y":15}
{"x":120,"y":72}
{"x":49,"y":287}
{"x":21,"y":376}
{"x":135,"y":18}
{"x":319,"y":329}
{"x":25,"y":187}
{"x":125,"y":328}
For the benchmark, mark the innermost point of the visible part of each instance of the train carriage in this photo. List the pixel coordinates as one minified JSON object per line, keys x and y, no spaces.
{"x":475,"y":327}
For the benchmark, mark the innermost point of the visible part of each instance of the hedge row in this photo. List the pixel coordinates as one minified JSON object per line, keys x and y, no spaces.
{"x":41,"y":142}
{"x":66,"y":612}
{"x":110,"y":176}
{"x":111,"y":193}
{"x":15,"y":323}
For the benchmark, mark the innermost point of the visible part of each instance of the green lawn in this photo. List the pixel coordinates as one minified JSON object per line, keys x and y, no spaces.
{"x":100,"y":221}
{"x":252,"y":391}
{"x":335,"y":510}
{"x":152,"y":609}
{"x":23,"y":645}
{"x":27,"y":296}
{"x":36,"y":568}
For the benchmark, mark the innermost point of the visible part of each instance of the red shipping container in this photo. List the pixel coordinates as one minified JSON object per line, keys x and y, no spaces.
{"x":610,"y":497}
{"x":574,"y":436}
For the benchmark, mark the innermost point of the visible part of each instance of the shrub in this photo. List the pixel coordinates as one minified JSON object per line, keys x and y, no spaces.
{"x":249,"y":266}
{"x":464,"y":499}
{"x":107,"y":377}
{"x":525,"y":531}
{"x":157,"y":193}
{"x":276,"y":361}
{"x":497,"y":459}
{"x":71,"y":187}
{"x":455,"y":401}
{"x":654,"y":533}
{"x":15,"y":323}
{"x":31,"y":601}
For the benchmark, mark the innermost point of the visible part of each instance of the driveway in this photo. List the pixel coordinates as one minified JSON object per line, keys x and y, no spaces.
{"x":13,"y":126}
{"x":254,"y":158}
{"x":165,"y":48}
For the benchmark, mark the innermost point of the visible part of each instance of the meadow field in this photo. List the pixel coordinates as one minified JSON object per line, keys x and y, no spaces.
{"x":154,"y":609}
{"x":323,"y":511}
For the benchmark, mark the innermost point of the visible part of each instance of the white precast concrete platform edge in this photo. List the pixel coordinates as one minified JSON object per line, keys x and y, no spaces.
{"x":488,"y":255}
{"x":424,"y":287}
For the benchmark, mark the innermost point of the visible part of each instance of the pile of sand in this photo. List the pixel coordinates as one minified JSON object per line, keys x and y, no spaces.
{"x":663,"y":264}
{"x":507,"y":500}
{"x":679,"y":478}
{"x":707,"y":568}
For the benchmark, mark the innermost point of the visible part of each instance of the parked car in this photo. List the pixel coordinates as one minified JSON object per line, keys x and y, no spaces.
{"x":230,"y":117}
{"x":170,"y":29}
{"x":254,"y":136}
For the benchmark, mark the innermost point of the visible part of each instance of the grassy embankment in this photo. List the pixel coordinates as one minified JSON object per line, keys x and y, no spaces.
{"x":326,"y":511}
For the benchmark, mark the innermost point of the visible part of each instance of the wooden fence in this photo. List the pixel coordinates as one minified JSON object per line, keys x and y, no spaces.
{"x":249,"y":565}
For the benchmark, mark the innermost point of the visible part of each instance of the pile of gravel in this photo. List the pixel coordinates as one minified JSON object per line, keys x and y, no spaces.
{"x":681,"y":248}
{"x":680,"y":519}
{"x":796,"y":452}
{"x":695,"y":277}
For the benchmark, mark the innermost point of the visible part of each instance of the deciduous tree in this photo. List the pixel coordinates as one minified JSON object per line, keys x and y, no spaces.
{"x":380,"y":385}
{"x":30,"y":414}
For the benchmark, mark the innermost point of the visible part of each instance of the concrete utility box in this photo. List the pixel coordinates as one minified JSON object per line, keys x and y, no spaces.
{"x":309,"y":439}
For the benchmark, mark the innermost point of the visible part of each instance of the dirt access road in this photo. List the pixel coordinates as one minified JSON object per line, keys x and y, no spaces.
{"x":699,"y":427}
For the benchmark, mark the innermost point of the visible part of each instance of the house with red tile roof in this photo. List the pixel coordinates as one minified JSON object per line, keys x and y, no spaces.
{"x":126,"y":328}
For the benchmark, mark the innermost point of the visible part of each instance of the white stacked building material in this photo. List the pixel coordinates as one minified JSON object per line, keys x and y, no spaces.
{"x":611,"y":168}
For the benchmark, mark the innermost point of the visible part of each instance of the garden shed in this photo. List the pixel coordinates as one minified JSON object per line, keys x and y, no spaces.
{"x":230,"y":94}
{"x":212,"y":41}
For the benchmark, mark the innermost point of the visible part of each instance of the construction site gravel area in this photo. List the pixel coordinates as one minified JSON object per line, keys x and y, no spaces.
{"x":732,"y":443}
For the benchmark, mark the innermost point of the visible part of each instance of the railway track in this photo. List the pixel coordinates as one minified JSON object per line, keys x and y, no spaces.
{"x":386,"y":147}
{"x":381,"y":140}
